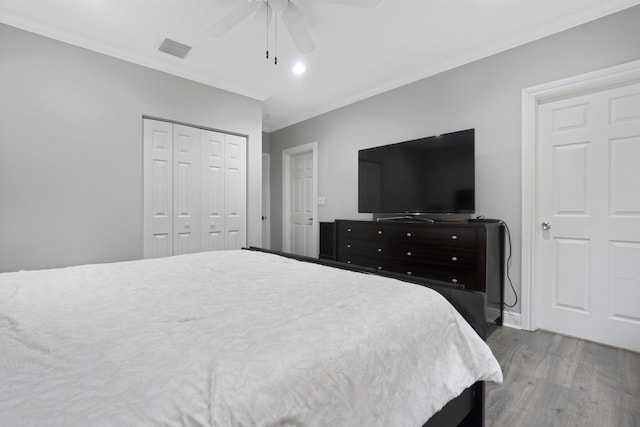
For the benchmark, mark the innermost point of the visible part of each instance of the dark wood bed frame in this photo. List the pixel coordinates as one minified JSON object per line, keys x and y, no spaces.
{"x":468,"y":408}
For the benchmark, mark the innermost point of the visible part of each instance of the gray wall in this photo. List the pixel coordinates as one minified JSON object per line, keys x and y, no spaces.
{"x":485,"y":95}
{"x":71,"y":149}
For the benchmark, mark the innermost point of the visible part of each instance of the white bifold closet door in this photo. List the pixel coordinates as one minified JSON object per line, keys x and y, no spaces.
{"x":194,"y":189}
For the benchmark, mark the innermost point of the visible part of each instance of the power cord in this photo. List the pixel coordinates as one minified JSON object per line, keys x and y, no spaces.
{"x":481,"y":218}
{"x":509,"y":259}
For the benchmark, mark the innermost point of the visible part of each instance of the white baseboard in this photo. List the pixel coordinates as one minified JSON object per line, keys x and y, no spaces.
{"x":512,"y":320}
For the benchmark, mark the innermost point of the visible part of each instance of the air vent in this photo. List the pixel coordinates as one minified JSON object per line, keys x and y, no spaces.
{"x":174,"y":48}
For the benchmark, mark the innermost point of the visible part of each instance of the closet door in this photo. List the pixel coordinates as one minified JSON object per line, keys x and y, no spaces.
{"x":158,"y":189}
{"x":212,"y":190}
{"x":186,"y":189}
{"x":235,"y":191}
{"x":195,"y":196}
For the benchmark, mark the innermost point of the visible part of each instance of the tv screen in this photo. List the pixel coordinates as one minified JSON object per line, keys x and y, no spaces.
{"x":426,"y":175}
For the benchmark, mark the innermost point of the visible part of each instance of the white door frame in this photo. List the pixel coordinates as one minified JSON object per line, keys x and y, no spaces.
{"x":266,"y":200}
{"x":287,"y":154}
{"x":532,"y":97}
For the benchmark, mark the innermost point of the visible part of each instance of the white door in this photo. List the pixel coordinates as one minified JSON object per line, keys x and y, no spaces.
{"x":158,"y":191}
{"x":186,"y":189}
{"x":266,"y":200}
{"x":589,"y":216}
{"x":212,"y":190}
{"x":302,"y":200}
{"x":235,"y":194}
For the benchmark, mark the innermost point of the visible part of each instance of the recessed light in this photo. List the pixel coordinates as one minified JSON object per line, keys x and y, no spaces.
{"x":299,"y":68}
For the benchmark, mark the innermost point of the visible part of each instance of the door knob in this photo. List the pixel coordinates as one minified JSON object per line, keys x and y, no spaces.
{"x":545,"y":225}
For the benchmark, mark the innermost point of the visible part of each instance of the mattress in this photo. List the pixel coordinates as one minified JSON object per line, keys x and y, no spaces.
{"x":230,"y":338}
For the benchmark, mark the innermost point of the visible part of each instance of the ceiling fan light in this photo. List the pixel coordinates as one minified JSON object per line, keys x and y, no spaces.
{"x":299,"y":68}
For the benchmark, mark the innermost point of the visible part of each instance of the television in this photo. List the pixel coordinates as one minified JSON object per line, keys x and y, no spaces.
{"x":433,"y":175}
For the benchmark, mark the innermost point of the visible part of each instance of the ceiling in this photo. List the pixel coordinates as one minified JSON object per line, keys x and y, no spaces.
{"x":359,"y":52}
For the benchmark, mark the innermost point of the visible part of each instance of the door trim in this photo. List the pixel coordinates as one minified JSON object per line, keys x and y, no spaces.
{"x":532,"y":98}
{"x":266,"y":197}
{"x":287,"y":154}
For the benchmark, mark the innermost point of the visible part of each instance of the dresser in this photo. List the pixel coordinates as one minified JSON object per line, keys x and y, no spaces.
{"x":464,"y":253}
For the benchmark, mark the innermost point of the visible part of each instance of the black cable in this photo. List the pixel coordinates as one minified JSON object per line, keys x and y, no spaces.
{"x":509,"y":258}
{"x":275,"y":38}
{"x":267,"y":27}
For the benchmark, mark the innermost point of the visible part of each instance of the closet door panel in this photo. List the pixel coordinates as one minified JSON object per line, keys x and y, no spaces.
{"x":235,"y":193}
{"x":212,"y":190}
{"x":158,"y":182}
{"x":235,"y":239}
{"x":186,"y":189}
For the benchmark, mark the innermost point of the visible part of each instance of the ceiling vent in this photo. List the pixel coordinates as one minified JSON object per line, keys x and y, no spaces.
{"x":174,"y":48}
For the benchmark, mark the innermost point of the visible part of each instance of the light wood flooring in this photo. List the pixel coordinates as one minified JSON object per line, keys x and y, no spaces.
{"x":554,"y":380}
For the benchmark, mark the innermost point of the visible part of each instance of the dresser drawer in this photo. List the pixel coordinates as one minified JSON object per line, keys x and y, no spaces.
{"x":455,"y":237}
{"x":364,"y":260}
{"x":468,"y":278}
{"x":437,"y":257}
{"x":425,"y":234}
{"x":410,"y":257}
{"x":361,"y":230}
{"x":349,"y":246}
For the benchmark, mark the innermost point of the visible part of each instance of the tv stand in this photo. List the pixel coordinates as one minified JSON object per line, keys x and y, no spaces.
{"x":463,"y":253}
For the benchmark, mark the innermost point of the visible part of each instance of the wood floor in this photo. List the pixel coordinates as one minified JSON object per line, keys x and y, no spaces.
{"x":554,"y":380}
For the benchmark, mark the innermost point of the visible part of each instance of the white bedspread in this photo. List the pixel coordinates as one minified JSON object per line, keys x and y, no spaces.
{"x":233,"y":338}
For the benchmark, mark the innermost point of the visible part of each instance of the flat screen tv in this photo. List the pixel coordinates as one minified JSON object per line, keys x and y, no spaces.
{"x":426,"y":175}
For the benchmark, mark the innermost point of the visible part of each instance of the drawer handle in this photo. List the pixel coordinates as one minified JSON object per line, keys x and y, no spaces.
{"x":379,"y":249}
{"x":409,"y":254}
{"x":408,"y":273}
{"x":408,"y":234}
{"x":379,"y":231}
{"x":348,"y":229}
{"x":348,"y":261}
{"x":454,"y":280}
{"x":454,"y":237}
{"x":379,"y":268}
{"x":454,"y":258}
{"x":349,"y":245}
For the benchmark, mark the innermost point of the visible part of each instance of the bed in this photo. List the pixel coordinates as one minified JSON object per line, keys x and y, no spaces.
{"x":232,"y":338}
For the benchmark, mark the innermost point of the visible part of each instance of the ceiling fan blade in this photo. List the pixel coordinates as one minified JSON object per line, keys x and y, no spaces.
{"x":309,"y":9}
{"x":264,"y":14}
{"x":370,"y":4}
{"x":294,"y":21}
{"x":231,"y":19}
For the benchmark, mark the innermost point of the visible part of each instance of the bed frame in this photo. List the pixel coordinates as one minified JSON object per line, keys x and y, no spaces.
{"x":467,"y":409}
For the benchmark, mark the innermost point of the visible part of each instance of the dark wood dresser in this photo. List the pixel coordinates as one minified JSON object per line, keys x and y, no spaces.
{"x":470,"y":254}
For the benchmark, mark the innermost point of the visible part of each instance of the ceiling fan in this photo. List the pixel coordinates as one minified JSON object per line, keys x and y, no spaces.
{"x":289,"y":12}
